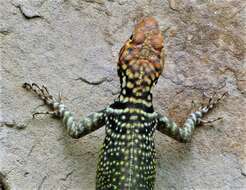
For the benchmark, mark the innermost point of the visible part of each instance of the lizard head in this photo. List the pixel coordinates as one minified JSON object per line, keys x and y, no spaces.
{"x":141,"y":58}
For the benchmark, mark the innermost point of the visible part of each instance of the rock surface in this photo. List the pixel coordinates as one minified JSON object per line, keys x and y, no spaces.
{"x":55,"y":42}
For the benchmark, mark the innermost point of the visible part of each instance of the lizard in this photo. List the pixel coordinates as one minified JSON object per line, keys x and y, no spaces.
{"x":127,"y":159}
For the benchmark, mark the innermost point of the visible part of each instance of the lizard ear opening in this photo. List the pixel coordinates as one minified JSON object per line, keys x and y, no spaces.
{"x":131,"y":37}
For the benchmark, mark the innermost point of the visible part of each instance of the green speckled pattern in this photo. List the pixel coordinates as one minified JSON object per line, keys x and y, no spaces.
{"x":127,"y":158}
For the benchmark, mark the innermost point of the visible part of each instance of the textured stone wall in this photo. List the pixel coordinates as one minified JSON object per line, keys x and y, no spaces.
{"x":55,"y":42}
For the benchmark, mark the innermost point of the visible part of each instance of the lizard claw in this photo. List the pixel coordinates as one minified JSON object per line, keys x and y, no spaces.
{"x":52,"y":113}
{"x":42,"y":92}
{"x":60,"y":97}
{"x":206,"y":122}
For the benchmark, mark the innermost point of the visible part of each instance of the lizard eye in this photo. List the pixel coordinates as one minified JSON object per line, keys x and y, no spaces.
{"x":131,"y":37}
{"x":129,"y":50}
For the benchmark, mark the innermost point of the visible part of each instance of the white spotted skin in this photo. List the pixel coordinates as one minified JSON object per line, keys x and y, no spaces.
{"x":127,"y":158}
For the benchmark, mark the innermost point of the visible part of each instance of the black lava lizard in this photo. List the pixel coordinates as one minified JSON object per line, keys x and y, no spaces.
{"x":127,"y":160}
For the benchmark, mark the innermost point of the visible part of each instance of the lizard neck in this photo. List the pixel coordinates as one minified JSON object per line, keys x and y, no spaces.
{"x":128,"y":99}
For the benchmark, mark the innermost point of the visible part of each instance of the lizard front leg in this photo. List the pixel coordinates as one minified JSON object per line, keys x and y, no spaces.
{"x":183,"y":134}
{"x":76,"y":129}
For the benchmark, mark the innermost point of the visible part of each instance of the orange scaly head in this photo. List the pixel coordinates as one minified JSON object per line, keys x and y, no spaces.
{"x":141,"y":58}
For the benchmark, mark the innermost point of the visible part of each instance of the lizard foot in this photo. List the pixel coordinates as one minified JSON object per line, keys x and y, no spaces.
{"x":44,"y":94}
{"x":212,"y":102}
